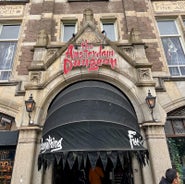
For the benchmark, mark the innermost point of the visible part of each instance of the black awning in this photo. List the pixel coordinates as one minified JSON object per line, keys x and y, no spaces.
{"x":89,"y":117}
{"x":8,"y":138}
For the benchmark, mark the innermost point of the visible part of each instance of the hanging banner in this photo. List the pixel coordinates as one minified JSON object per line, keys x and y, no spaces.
{"x":88,"y":56}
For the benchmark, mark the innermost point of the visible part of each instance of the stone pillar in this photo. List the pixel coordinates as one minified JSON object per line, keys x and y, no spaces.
{"x":25,"y":155}
{"x":137,"y":171}
{"x":47,"y":176}
{"x":158,"y":149}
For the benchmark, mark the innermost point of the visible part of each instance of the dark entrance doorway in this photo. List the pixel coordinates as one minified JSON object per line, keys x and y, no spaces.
{"x":83,"y":173}
{"x":175,"y":133}
{"x":90,"y":123}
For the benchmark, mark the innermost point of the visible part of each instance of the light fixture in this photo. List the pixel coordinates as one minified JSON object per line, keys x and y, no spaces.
{"x":30,"y":105}
{"x":150,"y":100}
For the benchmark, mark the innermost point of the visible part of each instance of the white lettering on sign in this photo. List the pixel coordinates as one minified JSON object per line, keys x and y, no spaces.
{"x":51,"y":144}
{"x":134,"y":139}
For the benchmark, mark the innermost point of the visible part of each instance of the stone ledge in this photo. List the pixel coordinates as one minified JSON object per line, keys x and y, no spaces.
{"x":151,"y":123}
{"x":31,"y":127}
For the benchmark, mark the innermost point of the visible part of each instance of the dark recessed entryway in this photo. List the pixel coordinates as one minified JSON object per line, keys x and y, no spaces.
{"x":90,"y":123}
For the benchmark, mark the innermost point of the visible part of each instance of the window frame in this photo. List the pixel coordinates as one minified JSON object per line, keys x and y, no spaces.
{"x":9,"y":40}
{"x":110,"y":20}
{"x":7,"y":159}
{"x":175,"y":135}
{"x":64,"y":23}
{"x":179,"y":36}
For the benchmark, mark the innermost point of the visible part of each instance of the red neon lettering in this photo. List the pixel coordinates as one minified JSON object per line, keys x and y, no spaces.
{"x":92,"y":60}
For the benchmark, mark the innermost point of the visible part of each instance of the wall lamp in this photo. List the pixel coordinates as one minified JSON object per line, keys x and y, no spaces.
{"x":150,"y":101}
{"x":30,"y":105}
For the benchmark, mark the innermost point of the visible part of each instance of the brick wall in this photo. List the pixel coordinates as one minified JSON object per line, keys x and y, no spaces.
{"x":142,"y":23}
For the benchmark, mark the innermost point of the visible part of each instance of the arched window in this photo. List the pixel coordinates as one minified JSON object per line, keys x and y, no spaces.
{"x":175,"y":133}
{"x":8,"y":142}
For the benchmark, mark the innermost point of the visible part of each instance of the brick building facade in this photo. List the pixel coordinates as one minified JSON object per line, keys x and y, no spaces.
{"x":131,"y":48}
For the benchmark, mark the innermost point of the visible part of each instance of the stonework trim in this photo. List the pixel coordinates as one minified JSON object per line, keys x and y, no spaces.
{"x":169,"y":6}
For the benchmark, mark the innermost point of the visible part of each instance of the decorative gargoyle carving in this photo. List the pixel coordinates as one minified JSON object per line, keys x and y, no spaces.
{"x":88,"y":25}
{"x":135,"y":36}
{"x":88,"y":16}
{"x":144,"y":74}
{"x":43,"y":38}
{"x":35,"y":77}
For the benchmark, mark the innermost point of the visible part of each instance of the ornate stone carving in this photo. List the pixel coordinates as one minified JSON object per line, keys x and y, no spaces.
{"x":88,"y":16}
{"x":50,"y":53}
{"x":135,"y":36}
{"x":168,"y":6}
{"x":11,"y":10}
{"x":43,"y":38}
{"x":144,"y":74}
{"x":129,"y":51}
{"x":35,"y":77}
{"x":92,"y":38}
{"x":90,"y":31}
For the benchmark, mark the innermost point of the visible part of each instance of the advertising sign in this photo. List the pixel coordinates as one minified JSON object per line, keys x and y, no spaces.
{"x":88,"y":56}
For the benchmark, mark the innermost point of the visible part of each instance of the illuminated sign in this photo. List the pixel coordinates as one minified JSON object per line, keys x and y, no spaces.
{"x":88,"y":57}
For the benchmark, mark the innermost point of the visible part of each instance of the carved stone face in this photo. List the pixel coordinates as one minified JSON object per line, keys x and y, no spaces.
{"x":88,"y":15}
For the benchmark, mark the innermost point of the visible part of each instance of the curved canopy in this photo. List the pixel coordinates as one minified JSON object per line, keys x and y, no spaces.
{"x":90,"y":118}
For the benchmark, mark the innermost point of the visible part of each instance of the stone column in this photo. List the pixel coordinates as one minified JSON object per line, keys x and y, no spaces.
{"x":47,"y":176}
{"x":25,"y":155}
{"x":158,"y":149}
{"x":137,"y":171}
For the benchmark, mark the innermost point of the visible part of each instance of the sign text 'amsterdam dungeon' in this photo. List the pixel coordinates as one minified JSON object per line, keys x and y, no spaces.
{"x":88,"y":56}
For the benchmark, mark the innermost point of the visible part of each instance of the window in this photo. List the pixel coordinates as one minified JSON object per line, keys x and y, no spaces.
{"x":8,"y":41}
{"x":109,"y":26}
{"x":173,"y":48}
{"x":68,"y":29}
{"x":175,"y":134}
{"x":7,"y":155}
{"x":6,"y":122}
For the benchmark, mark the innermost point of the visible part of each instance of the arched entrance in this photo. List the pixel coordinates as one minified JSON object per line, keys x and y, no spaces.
{"x":118,"y":173}
{"x":91,"y":124}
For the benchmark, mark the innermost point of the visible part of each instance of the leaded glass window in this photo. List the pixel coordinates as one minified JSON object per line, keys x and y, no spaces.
{"x":8,"y":41}
{"x":175,"y":133}
{"x":173,"y":47}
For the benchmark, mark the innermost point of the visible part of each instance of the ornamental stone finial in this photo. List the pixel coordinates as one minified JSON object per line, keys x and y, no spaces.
{"x":88,"y":15}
